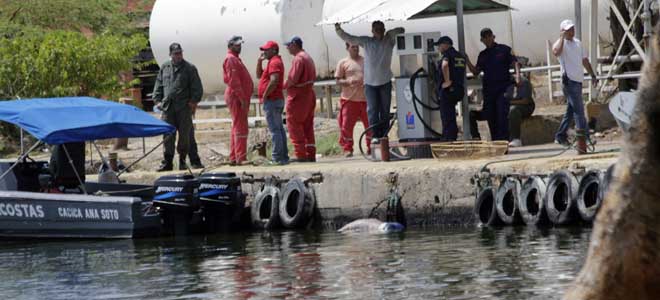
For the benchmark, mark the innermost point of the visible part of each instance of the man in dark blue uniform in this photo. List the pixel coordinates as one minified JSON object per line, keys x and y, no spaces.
{"x":451,"y":79}
{"x":495,"y":61}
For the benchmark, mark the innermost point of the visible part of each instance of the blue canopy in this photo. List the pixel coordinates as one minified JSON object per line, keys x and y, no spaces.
{"x":78,"y":119}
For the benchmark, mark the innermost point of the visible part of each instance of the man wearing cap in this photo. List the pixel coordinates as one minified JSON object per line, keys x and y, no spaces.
{"x":495,"y":61}
{"x":271,"y":81}
{"x":177,"y":91}
{"x":377,"y":73}
{"x":237,"y":96}
{"x":572,"y":57}
{"x":451,"y":78}
{"x":301,"y":102}
{"x":353,"y":104}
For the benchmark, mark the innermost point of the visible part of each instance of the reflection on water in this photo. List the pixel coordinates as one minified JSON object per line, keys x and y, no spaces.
{"x":510,"y":263}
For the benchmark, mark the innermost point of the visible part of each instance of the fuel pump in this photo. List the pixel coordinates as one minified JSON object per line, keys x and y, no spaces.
{"x":418,"y":119}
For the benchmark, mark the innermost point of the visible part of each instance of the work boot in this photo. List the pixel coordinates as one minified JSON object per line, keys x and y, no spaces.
{"x":183,"y":166}
{"x":196,"y":164}
{"x":166,"y":165}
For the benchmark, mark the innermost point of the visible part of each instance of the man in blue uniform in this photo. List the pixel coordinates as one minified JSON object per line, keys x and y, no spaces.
{"x":495,"y":61}
{"x":451,"y":79}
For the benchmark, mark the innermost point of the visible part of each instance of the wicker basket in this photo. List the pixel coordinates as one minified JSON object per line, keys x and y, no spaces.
{"x":469,"y":149}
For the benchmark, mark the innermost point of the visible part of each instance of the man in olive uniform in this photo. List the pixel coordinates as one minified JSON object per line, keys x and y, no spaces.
{"x":177,"y":91}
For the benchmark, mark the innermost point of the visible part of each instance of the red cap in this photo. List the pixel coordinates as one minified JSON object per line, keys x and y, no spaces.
{"x":269,"y":45}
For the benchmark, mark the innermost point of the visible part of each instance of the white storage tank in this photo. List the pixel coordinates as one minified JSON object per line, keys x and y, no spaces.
{"x":203,"y":27}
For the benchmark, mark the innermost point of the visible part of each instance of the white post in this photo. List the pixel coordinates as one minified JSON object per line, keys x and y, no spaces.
{"x":465,"y":107}
{"x":593,"y":49}
{"x":578,"y":19}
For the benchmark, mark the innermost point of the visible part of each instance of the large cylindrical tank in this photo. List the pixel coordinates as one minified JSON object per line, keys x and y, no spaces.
{"x":203,"y":27}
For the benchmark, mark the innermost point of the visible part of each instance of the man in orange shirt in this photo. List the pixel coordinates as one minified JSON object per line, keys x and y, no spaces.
{"x":353,"y":103}
{"x":237,"y":96}
{"x":301,"y":102}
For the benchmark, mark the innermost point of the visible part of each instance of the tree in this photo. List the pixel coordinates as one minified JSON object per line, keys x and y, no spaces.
{"x":64,"y":48}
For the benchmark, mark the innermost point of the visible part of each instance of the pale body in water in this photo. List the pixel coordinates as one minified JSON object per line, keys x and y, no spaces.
{"x":371,"y":226}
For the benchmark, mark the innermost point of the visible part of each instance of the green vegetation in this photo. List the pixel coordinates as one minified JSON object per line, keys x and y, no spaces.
{"x":328,"y":145}
{"x":65,"y":48}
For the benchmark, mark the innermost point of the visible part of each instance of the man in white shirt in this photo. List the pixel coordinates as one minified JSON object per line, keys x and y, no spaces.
{"x":377,"y":74}
{"x":572,"y":57}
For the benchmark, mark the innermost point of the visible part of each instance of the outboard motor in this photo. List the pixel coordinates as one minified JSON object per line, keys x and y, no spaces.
{"x":177,"y":198}
{"x":222,"y":201}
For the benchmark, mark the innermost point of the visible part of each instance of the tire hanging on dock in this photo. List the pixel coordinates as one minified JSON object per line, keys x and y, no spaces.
{"x":297,"y":204}
{"x":531,"y":204}
{"x":484,"y":208}
{"x":561,"y":198}
{"x":265,"y":208}
{"x":506,"y":201}
{"x":589,"y":196}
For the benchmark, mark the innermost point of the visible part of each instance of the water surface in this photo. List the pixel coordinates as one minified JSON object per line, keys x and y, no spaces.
{"x":473,"y":263}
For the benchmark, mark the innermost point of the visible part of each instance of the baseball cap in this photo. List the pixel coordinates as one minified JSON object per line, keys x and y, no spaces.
{"x":485,"y":32}
{"x":269,"y":45}
{"x":175,"y":47}
{"x":294,"y":40}
{"x":235,"y":40}
{"x":566,"y":25}
{"x":444,"y":40}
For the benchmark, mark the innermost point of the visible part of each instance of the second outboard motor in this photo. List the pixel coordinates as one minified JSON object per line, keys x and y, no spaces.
{"x":222,"y":201}
{"x":177,"y":197}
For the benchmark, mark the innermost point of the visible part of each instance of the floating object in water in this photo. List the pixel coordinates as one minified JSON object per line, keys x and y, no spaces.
{"x":371,"y":226}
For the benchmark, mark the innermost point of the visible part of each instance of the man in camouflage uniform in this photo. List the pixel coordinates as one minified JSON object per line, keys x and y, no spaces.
{"x":177,"y":91}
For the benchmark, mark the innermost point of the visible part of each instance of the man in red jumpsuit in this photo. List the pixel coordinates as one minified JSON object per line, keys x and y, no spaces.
{"x":353,"y":105}
{"x":301,"y":102}
{"x":237,"y":96}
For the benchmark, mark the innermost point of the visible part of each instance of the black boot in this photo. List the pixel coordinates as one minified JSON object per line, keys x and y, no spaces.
{"x":182,"y":163}
{"x":165,"y":165}
{"x":196,"y":164}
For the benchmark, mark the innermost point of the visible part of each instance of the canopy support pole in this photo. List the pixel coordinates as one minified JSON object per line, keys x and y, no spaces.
{"x":82,"y":184}
{"x":465,"y":107}
{"x":593,"y":48}
{"x":578,"y":19}
{"x":20,"y":158}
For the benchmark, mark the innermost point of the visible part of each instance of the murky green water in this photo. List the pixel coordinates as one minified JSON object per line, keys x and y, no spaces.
{"x":470,"y":263}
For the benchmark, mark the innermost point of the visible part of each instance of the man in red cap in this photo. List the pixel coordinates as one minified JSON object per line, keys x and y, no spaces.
{"x":271,"y":81}
{"x":301,"y":102}
{"x":237,"y":96}
{"x":353,"y":105}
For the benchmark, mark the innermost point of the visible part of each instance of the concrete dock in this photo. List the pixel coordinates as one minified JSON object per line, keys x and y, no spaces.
{"x":434,"y":192}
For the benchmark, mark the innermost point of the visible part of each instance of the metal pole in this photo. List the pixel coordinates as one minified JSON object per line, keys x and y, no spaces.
{"x":22,"y":143}
{"x":646,"y":19}
{"x":547,"y":57}
{"x":593,"y":50}
{"x":578,"y":19}
{"x":465,"y":107}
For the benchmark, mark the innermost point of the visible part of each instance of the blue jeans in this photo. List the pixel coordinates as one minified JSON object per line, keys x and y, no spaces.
{"x":574,"y":109}
{"x":274,"y":109}
{"x":379,"y":99}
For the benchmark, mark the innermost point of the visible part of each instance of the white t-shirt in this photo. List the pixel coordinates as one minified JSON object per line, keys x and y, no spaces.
{"x":571,"y":60}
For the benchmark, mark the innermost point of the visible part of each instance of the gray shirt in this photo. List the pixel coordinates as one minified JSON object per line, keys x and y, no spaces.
{"x":377,"y":55}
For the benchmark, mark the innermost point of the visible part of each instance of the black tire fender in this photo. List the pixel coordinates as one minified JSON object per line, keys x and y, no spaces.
{"x":561,"y":198}
{"x":297,"y":204}
{"x":265,"y":208}
{"x":589,"y":196}
{"x":531,"y":203}
{"x":506,"y":201}
{"x":484,"y":208}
